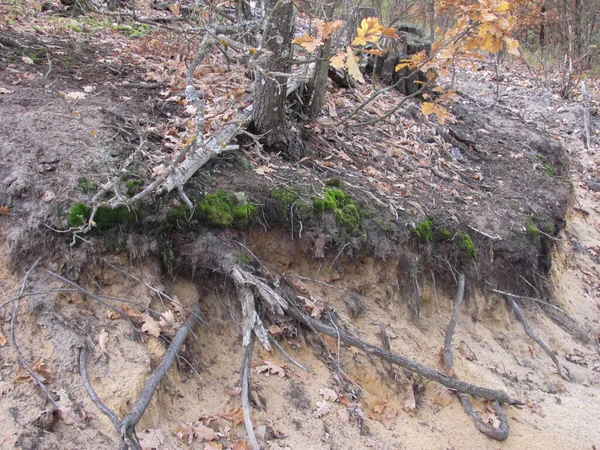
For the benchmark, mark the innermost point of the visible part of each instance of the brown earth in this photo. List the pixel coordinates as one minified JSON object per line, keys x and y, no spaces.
{"x":45,"y":148}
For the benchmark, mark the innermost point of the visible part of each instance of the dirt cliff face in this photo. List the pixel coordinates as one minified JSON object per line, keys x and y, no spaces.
{"x":487,"y":195}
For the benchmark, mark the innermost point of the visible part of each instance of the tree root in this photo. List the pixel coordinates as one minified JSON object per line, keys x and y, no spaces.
{"x":412,"y":366}
{"x":126,"y":427}
{"x":532,"y":335}
{"x":246,"y":394}
{"x":500,"y":433}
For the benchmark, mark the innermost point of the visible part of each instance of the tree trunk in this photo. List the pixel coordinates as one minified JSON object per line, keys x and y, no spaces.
{"x":270,"y":91}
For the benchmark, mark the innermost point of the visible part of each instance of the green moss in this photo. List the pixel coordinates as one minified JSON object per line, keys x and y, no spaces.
{"x":465,"y":244}
{"x":225,"y":211}
{"x":241,"y":258}
{"x":106,"y":218}
{"x":444,"y":235}
{"x":548,"y":169}
{"x":133,"y":187}
{"x":285,"y":197}
{"x":87,"y":186}
{"x":215,"y":210}
{"x":79,"y":214}
{"x":424,"y":230}
{"x":347,"y":212}
{"x":531,"y":229}
{"x":549,"y":227}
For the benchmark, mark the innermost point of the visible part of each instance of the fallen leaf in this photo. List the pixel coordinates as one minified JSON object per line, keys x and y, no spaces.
{"x":5,"y":91}
{"x":103,"y":340}
{"x":236,"y":415}
{"x":379,"y":406}
{"x":389,"y":416}
{"x":213,"y":446}
{"x":74,"y":95}
{"x":443,"y":396}
{"x":240,"y":445}
{"x":410,"y":404}
{"x":490,"y":417}
{"x":70,"y":413}
{"x":27,"y":59}
{"x":151,"y":439}
{"x":269,"y":367}
{"x":263,"y":169}
{"x":167,"y":320}
{"x":150,"y":326}
{"x":2,"y":340}
{"x":4,"y":210}
{"x":328,"y":394}
{"x":323,"y":408}
{"x":535,"y":408}
{"x":204,"y":433}
{"x":40,"y":369}
{"x":466,"y":352}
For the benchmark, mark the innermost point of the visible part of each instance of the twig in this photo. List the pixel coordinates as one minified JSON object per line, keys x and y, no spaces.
{"x":129,"y":422}
{"x":531,"y":334}
{"x":287,"y":355}
{"x":532,"y":299}
{"x":437,"y":301}
{"x":587,"y":125}
{"x":246,"y":394}
{"x":493,"y":238}
{"x":413,"y":366}
{"x":311,"y":280}
{"x":500,"y":433}
{"x":13,"y":321}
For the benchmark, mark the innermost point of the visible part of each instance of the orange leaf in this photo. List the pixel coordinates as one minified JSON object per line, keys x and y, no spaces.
{"x":4,"y":210}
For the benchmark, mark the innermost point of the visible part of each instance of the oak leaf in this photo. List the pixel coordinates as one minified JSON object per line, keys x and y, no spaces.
{"x":323,"y":408}
{"x":270,"y":368}
{"x":236,"y":415}
{"x":150,"y":326}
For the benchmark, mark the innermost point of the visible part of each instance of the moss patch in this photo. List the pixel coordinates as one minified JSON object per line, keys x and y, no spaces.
{"x":225,"y":211}
{"x":106,"y":218}
{"x":347,"y":212}
{"x":424,"y":230}
{"x":86,"y":186}
{"x":79,"y":214}
{"x":465,"y":245}
{"x":285,"y":197}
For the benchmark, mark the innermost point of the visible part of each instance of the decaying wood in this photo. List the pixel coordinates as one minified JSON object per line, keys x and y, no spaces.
{"x":532,"y":335}
{"x":501,"y":433}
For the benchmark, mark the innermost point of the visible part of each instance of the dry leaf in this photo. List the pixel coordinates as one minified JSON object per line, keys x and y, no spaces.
{"x":443,"y":396}
{"x":27,"y":59}
{"x":69,"y":412}
{"x":40,"y":369}
{"x":535,"y":408}
{"x":4,"y":210}
{"x":240,"y":445}
{"x":5,"y":91}
{"x":263,"y":169}
{"x":167,"y":320}
{"x":322,"y":409}
{"x":379,"y":406}
{"x":213,"y":446}
{"x":328,"y":394}
{"x":269,"y":367}
{"x":389,"y":416}
{"x":204,"y":433}
{"x":466,"y":352}
{"x":410,"y":404}
{"x":103,"y":340}
{"x":151,"y":326}
{"x":275,"y":330}
{"x":236,"y":415}
{"x":74,"y":95}
{"x":2,"y":340}
{"x":490,"y":417}
{"x":151,"y":439}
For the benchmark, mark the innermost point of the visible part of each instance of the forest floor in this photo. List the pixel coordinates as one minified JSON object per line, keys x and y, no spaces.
{"x":72,"y":107}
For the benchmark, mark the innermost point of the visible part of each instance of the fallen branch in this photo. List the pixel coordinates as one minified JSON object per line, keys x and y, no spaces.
{"x":532,"y":299}
{"x":531,"y":334}
{"x":129,"y":422}
{"x":500,"y":433}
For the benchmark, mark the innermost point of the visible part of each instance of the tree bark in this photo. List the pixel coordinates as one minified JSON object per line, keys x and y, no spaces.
{"x":270,"y":91}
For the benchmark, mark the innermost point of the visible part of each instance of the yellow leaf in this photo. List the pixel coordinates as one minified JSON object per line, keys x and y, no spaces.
{"x":375,"y":52}
{"x":338,"y":61}
{"x":352,"y":66}
{"x":308,"y":42}
{"x":502,"y":7}
{"x":93,"y":133}
{"x":404,"y":63}
{"x":512,"y":45}
{"x":388,"y":32}
{"x":489,"y":17}
{"x":427,"y":108}
{"x":326,"y":28}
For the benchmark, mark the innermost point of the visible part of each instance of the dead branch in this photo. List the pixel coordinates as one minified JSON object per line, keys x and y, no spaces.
{"x":500,"y":433}
{"x":532,"y":299}
{"x":532,"y":335}
{"x":13,"y":340}
{"x":129,"y":422}
{"x":246,"y":393}
{"x":286,"y":354}
{"x":413,"y":366}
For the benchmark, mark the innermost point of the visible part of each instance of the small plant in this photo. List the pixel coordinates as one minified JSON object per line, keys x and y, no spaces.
{"x":241,"y":258}
{"x":86,"y":186}
{"x":424,"y":230}
{"x":531,"y":229}
{"x":548,"y":169}
{"x":444,"y":235}
{"x":465,"y":244}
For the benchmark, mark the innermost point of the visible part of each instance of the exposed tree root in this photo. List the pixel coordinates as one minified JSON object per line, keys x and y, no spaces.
{"x":500,"y":433}
{"x":246,"y":394}
{"x":126,"y":427}
{"x":532,"y":335}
